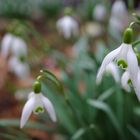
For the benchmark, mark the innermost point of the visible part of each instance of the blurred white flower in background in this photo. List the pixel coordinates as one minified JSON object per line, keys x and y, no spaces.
{"x":14,"y":49}
{"x":67,"y":26}
{"x":119,"y":16}
{"x":37,"y":103}
{"x":100,"y":12}
{"x":93,"y":29}
{"x":20,"y":68}
{"x":112,"y":69}
{"x":14,"y":45}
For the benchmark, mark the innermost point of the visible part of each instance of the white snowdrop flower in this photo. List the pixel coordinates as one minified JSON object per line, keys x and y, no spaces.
{"x":19,"y":68}
{"x":68,"y":26}
{"x":125,"y":57}
{"x":99,"y":12}
{"x":119,"y":16}
{"x":13,"y":44}
{"x":36,"y":104}
{"x":126,"y":81}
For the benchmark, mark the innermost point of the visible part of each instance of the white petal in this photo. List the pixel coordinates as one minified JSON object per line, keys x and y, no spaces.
{"x":27,"y":110}
{"x":133,"y":70}
{"x":123,"y":52}
{"x":124,"y":81}
{"x":110,"y":57}
{"x":38,"y":103}
{"x":113,"y":69}
{"x":137,"y":86}
{"x":49,"y":107}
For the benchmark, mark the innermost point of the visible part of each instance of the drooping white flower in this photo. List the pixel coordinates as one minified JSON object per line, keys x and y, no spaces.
{"x":126,"y":58}
{"x":36,"y":104}
{"x":112,"y":69}
{"x":119,"y":16}
{"x":19,"y":68}
{"x":68,"y":26}
{"x":99,"y":12}
{"x":126,"y":81}
{"x":13,"y":44}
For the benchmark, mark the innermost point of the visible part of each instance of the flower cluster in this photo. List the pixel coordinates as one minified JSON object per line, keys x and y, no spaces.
{"x":14,"y":49}
{"x":126,"y":58}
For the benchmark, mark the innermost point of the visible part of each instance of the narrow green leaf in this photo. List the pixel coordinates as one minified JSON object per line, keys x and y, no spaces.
{"x":134,"y":132}
{"x":78,"y":133}
{"x":53,"y":79}
{"x":105,"y":108}
{"x":105,"y":95}
{"x":30,"y":124}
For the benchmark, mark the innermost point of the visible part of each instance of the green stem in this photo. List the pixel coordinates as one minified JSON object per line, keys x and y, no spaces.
{"x":134,"y":44}
{"x":77,"y":117}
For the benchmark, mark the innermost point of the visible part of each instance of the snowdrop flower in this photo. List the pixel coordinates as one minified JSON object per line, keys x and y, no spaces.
{"x":68,"y":26}
{"x":125,"y":81}
{"x":99,"y":12}
{"x":36,"y":103}
{"x":12,"y":43}
{"x":119,"y":16}
{"x":112,"y":69}
{"x":125,"y":57}
{"x":19,"y":68}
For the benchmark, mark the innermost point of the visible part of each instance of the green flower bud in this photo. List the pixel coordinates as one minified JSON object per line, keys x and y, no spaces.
{"x":37,"y":87}
{"x":128,"y":36}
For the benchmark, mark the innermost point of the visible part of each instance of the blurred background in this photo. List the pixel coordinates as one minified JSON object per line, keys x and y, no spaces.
{"x":70,"y":38}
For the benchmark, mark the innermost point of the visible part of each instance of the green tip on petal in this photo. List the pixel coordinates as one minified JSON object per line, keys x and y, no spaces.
{"x":37,"y":87}
{"x":129,"y":82}
{"x":121,"y":63}
{"x":39,"y":110}
{"x":128,"y":36}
